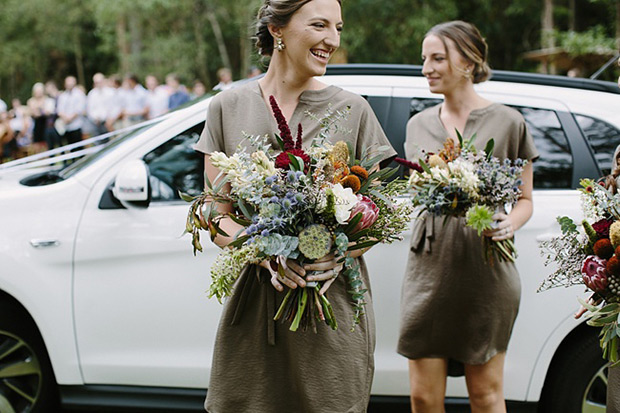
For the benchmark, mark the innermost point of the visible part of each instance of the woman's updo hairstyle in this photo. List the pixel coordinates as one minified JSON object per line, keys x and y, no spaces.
{"x":470,"y":44}
{"x":277,"y":13}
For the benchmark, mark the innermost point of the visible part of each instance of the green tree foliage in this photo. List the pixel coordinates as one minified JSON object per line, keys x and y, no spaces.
{"x":49,"y":39}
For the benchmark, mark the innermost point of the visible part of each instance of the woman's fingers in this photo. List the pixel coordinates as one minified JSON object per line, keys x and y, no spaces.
{"x":326,"y":275}
{"x":294,"y":265}
{"x":326,"y":286}
{"x":582,"y":310}
{"x":322,"y":266}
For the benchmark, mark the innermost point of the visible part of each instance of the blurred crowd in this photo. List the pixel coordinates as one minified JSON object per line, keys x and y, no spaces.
{"x":52,"y":118}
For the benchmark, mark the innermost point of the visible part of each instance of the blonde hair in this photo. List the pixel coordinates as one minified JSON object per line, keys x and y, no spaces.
{"x":278,"y":13}
{"x":469,"y":43}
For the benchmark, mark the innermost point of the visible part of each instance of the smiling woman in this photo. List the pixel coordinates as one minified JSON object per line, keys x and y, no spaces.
{"x":259,"y":366}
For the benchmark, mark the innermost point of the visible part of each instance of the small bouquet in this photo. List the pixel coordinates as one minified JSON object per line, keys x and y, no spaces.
{"x":303,"y":205}
{"x":462,"y":182}
{"x":588,"y":254}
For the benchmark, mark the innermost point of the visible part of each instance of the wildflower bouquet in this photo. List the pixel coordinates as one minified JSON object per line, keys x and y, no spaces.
{"x":589,"y":253}
{"x":462,"y":182}
{"x":303,"y":205}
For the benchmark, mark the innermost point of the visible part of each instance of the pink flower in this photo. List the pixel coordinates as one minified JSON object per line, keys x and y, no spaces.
{"x":369,"y":211}
{"x":594,"y":273}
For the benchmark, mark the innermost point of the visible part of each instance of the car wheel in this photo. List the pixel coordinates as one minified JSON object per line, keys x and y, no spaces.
{"x":577,"y":379}
{"x":27,"y":383}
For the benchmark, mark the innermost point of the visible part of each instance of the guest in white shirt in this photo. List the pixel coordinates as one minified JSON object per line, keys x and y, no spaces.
{"x":98,"y":104}
{"x":135,"y":101}
{"x":156,"y":98}
{"x":3,"y":106}
{"x":117,"y":105}
{"x":71,"y":110}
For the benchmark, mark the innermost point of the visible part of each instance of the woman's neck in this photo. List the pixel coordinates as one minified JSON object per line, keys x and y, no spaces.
{"x":463,"y":100}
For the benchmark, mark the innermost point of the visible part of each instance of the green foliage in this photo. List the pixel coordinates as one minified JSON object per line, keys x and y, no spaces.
{"x":592,"y":41}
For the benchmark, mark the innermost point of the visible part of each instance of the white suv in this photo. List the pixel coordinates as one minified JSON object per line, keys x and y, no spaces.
{"x":103,"y":304}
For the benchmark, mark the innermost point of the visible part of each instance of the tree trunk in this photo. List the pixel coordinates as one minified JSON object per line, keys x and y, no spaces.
{"x":572,"y":13}
{"x":201,"y":46}
{"x":548,"y":39}
{"x":618,"y":25}
{"x":219,"y":37}
{"x":79,"y":59}
{"x":135,"y":30}
{"x":123,"y":44}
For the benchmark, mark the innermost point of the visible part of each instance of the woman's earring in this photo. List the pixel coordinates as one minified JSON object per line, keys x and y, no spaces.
{"x":280,"y":44}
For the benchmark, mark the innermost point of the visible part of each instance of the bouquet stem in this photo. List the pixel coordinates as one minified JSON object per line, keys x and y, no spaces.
{"x":301,"y":306}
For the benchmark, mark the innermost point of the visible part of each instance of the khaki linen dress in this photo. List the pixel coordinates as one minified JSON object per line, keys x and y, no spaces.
{"x":258,"y":364}
{"x":454,"y":305}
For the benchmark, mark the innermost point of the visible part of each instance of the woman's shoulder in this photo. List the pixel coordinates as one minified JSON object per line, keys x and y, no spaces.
{"x":234,"y":95}
{"x":503,"y":113}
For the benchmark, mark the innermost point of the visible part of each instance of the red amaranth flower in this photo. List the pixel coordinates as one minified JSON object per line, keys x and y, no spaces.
{"x":595,"y":273}
{"x":602,"y":227}
{"x":285,"y":131}
{"x":408,"y":164}
{"x":283,"y":161}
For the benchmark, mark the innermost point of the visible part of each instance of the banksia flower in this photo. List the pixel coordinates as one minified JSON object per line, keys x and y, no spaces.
{"x":595,"y":274}
{"x":340,"y":153}
{"x":315,"y":241}
{"x":614,"y":234}
{"x":603,"y":248}
{"x":352,"y":182}
{"x":436,"y":161}
{"x":360,"y":172}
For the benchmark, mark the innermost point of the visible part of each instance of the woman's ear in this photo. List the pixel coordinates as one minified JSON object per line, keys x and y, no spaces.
{"x":275,"y":31}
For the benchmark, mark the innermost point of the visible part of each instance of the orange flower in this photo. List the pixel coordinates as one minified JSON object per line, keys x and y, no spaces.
{"x":341,"y":170}
{"x":360,"y":171}
{"x":352,"y":182}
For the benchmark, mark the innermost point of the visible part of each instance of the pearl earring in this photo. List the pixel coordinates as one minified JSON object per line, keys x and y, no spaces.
{"x":280,"y":44}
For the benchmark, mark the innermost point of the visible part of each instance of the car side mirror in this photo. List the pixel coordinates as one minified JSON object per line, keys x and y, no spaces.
{"x":132,"y":185}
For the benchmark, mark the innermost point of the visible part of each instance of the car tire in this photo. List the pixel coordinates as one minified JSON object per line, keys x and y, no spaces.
{"x":577,"y":379}
{"x":27,"y":382}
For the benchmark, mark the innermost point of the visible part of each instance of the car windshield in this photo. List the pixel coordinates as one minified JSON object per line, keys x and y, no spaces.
{"x":115,"y":142}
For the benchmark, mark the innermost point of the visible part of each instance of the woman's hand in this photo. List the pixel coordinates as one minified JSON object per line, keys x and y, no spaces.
{"x":504,"y":228}
{"x":327,"y":269}
{"x":291,"y":273}
{"x":582,"y":310}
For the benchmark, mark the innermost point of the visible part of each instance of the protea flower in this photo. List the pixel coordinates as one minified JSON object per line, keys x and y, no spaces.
{"x":369,"y":211}
{"x":595,"y":273}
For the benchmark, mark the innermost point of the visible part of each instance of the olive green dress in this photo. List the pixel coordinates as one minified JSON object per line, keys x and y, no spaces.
{"x":613,"y":390}
{"x":258,"y":364}
{"x":454,"y":305}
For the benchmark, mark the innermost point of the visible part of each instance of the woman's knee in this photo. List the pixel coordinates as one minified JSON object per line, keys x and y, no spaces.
{"x":424,"y":399}
{"x":485,"y":396}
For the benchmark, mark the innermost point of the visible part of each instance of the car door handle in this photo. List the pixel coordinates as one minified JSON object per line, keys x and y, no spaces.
{"x":548,"y":236}
{"x":44,"y":243}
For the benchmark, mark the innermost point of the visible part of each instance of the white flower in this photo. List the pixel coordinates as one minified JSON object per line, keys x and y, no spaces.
{"x":345,"y":201}
{"x":219,"y":160}
{"x":264,"y":165}
{"x":464,"y":175}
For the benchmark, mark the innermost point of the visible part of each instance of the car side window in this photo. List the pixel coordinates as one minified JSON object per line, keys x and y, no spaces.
{"x":554,"y":168}
{"x":603,"y":139}
{"x":175,"y":166}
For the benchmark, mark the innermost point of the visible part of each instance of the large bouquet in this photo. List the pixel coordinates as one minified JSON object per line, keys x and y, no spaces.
{"x":302,"y":205}
{"x":588,"y":254}
{"x":460,"y":181}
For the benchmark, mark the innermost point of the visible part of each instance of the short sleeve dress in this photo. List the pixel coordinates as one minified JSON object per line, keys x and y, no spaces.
{"x":453,"y":304}
{"x":260,"y":366}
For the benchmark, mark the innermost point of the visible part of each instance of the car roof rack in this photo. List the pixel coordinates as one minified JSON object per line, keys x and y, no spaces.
{"x":362,"y":69}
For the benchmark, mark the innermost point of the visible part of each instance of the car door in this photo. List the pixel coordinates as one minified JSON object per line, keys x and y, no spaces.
{"x":142,"y":316}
